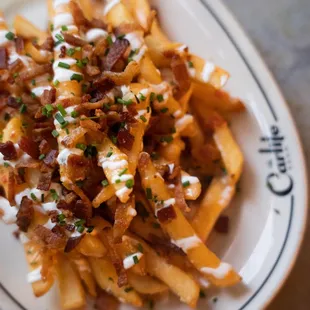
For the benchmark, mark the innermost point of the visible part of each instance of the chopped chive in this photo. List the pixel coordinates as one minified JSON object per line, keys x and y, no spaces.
{"x":79,"y":63}
{"x":154,"y":155}
{"x":167,"y":139}
{"x":160,"y":98}
{"x":42,"y":156}
{"x":84,"y":88}
{"x":64,"y":125}
{"x":110,"y":279}
{"x":19,"y":100}
{"x":128,"y":289}
{"x":64,"y":28}
{"x":67,"y":131}
{"x":129,"y":183}
{"x":121,"y":36}
{"x":49,"y":78}
{"x":33,"y":82}
{"x":90,"y":229}
{"x":107,"y":106}
{"x":63,"y":65}
{"x":42,"y":197}
{"x":23,"y":109}
{"x":78,"y":48}
{"x":15,"y":75}
{"x":114,"y":139}
{"x":124,"y":102}
{"x":60,"y":118}
{"x":164,"y":110}
{"x":59,"y":38}
{"x":110,"y":41}
{"x":105,"y":183}
{"x":117,"y":181}
{"x":140,"y":248}
{"x":74,"y":114}
{"x":90,"y":151}
{"x":10,"y":36}
{"x":142,"y":97}
{"x":135,"y":259}
{"x":33,"y":95}
{"x":61,"y":110}
{"x":6,"y":164}
{"x":70,"y":51}
{"x":143,"y":119}
{"x":61,"y":217}
{"x":190,"y":64}
{"x":122,"y":172}
{"x":149,"y":194}
{"x":52,"y":27}
{"x":76,"y":77}
{"x":152,"y":97}
{"x":81,"y":146}
{"x":55,"y":133}
{"x":56,"y":83}
{"x":80,"y":229}
{"x":155,"y":225}
{"x":202,"y":294}
{"x":54,"y":194}
{"x":79,"y":222}
{"x":186,"y":184}
{"x":109,"y":154}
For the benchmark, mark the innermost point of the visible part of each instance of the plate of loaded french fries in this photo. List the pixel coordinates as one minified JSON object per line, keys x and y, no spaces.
{"x":121,"y":159}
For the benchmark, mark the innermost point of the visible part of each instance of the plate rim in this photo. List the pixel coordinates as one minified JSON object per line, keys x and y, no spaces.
{"x":217,"y":8}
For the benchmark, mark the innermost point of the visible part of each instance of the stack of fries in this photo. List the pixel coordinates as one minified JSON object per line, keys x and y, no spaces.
{"x":116,"y":156}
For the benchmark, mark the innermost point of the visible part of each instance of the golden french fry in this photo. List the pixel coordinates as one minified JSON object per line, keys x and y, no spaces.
{"x":91,"y":246}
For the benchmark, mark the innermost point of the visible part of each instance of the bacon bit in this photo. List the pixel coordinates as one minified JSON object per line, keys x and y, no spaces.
{"x":19,"y":43}
{"x":70,"y":227}
{"x":36,"y":71}
{"x":71,"y":39}
{"x":104,"y":301}
{"x":51,"y":158}
{"x":11,"y":186}
{"x":222,"y":225}
{"x":179,"y":195}
{"x":48,"y":44}
{"x":92,"y":70}
{"x":81,"y":194}
{"x":50,"y":239}
{"x":175,"y":173}
{"x":102,"y":119}
{"x":119,"y":78}
{"x":82,"y":211}
{"x":74,"y":136}
{"x":85,"y":98}
{"x":127,"y":117}
{"x":78,"y":16}
{"x":77,"y":167}
{"x":72,"y":243}
{"x":19,"y":176}
{"x":25,"y":214}
{"x":59,"y":231}
{"x":3,"y":58}
{"x":45,"y":181}
{"x":53,"y":215}
{"x":125,"y":28}
{"x":98,"y":23}
{"x":89,"y":124}
{"x":143,"y":161}
{"x":63,"y":50}
{"x":165,"y":245}
{"x":16,"y":66}
{"x":115,"y":258}
{"x":165,"y":215}
{"x":49,"y":96}
{"x":125,"y":139}
{"x":116,"y":52}
{"x":42,"y":133}
{"x":8,"y":150}
{"x":29,"y":147}
{"x":44,"y":147}
{"x":181,"y":75}
{"x":11,"y":102}
{"x":101,"y":47}
{"x":70,"y":198}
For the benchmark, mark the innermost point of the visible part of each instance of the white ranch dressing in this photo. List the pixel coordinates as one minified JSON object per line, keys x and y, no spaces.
{"x":38,"y":91}
{"x":68,"y":118}
{"x":131,"y":211}
{"x":124,"y":191}
{"x":95,"y":34}
{"x":177,"y":113}
{"x":207,"y":71}
{"x":49,"y":225}
{"x":166,"y":203}
{"x":187,"y":243}
{"x":223,"y":80}
{"x":13,"y":163}
{"x":34,"y":275}
{"x":220,"y":272}
{"x":63,"y":19}
{"x":64,"y":154}
{"x":226,"y":195}
{"x":122,"y":178}
{"x":129,"y":262}
{"x":3,"y":39}
{"x":9,"y":212}
{"x":63,"y":74}
{"x":171,"y":168}
{"x":23,"y":238}
{"x":190,"y":179}
{"x":13,"y":56}
{"x":183,"y":122}
{"x":49,"y":206}
{"x":109,"y":6}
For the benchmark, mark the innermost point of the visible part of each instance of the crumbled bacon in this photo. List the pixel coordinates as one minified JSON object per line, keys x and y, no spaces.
{"x":29,"y":147}
{"x":77,"y":167}
{"x":19,"y":43}
{"x":222,"y":224}
{"x":179,"y":195}
{"x":127,"y":117}
{"x":50,"y":239}
{"x":8,"y":150}
{"x":125,"y":28}
{"x":97,"y":23}
{"x":167,"y":214}
{"x":85,"y":98}
{"x":35,"y":71}
{"x":42,"y":133}
{"x":16,"y":66}
{"x":71,"y":39}
{"x":164,"y":245}
{"x":51,"y":158}
{"x":125,"y":138}
{"x":48,"y":44}
{"x":45,"y":181}
{"x":63,"y":50}
{"x":49,"y":96}
{"x":181,"y":75}
{"x":25,"y":214}
{"x":89,"y":124}
{"x":104,"y":301}
{"x":53,"y":215}
{"x":176,"y":172}
{"x":12,"y":102}
{"x":83,"y":211}
{"x":116,"y":52}
{"x":3,"y":58}
{"x":44,"y":147}
{"x":72,"y":243}
{"x":101,"y":47}
{"x":92,"y":70}
{"x":70,"y":198}
{"x":58,"y":230}
{"x":70,"y":227}
{"x":74,"y":136}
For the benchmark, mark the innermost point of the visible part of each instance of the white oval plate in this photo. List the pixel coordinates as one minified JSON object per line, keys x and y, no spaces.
{"x":267,"y":217}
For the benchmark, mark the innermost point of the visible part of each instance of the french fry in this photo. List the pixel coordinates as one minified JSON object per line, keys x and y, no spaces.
{"x":13,"y":130}
{"x":36,"y":55}
{"x":179,"y":229}
{"x":176,"y":279}
{"x":146,"y":284}
{"x":91,"y":245}
{"x":106,"y":277}
{"x":192,"y":189}
{"x":71,"y":291}
{"x":105,"y":194}
{"x":34,"y":259}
